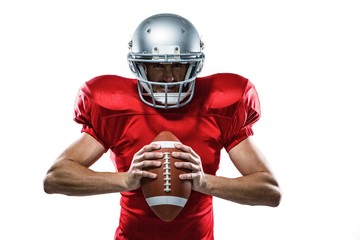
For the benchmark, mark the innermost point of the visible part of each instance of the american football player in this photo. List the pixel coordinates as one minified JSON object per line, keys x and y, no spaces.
{"x":207,"y":114}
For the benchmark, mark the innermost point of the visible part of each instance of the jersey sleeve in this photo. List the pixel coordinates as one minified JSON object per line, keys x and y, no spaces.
{"x":247,"y":113}
{"x":84,"y":111}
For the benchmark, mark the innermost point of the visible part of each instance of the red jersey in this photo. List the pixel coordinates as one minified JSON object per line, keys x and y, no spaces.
{"x":220,"y":115}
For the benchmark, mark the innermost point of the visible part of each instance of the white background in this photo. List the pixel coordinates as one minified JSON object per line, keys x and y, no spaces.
{"x":303,"y":57}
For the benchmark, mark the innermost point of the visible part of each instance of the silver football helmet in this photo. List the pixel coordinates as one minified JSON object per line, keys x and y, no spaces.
{"x":166,"y":38}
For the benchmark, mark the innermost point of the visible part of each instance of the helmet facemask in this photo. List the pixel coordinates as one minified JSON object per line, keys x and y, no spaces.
{"x":155,"y":41}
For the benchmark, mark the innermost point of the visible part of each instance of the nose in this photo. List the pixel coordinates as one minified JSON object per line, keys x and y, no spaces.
{"x":168,"y":74}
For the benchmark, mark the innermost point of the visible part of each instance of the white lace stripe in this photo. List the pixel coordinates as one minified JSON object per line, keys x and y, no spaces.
{"x":166,"y":200}
{"x":166,"y":144}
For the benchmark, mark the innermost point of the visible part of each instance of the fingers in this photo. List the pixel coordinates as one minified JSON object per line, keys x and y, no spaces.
{"x":191,"y":161}
{"x":138,"y":168}
{"x":187,"y":153}
{"x":141,"y":173}
{"x":188,"y":165}
{"x":146,"y":158}
{"x":146,"y":150}
{"x":147,"y":153}
{"x":190,"y":176}
{"x":185,"y":148}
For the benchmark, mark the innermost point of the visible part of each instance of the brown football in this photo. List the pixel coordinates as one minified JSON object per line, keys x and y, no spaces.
{"x":167,"y":194}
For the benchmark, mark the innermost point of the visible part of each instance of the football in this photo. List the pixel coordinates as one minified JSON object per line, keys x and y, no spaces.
{"x":167,"y":194}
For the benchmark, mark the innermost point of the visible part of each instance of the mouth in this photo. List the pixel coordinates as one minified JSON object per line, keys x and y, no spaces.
{"x":170,"y":88}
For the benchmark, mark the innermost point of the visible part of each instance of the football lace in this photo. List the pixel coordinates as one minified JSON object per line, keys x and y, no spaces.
{"x":167,"y":174}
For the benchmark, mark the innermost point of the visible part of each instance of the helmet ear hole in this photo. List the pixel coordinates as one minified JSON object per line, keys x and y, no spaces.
{"x":182,"y":44}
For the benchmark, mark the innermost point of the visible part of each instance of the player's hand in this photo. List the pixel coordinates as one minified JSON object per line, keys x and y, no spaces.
{"x":142,"y":159}
{"x":192,"y":162}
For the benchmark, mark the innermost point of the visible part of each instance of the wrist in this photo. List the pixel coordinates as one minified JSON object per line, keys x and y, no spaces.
{"x":205,"y":185}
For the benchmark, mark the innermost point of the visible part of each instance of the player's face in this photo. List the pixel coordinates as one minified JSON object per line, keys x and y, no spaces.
{"x":166,"y":73}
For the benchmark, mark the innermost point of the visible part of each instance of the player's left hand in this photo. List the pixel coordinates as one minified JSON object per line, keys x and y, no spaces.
{"x":192,"y":162}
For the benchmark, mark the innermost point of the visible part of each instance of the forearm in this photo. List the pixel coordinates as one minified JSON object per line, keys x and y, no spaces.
{"x":71,"y":178}
{"x":255,"y":189}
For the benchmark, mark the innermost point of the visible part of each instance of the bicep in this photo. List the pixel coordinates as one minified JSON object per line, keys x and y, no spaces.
{"x":86,"y":151}
{"x":247,"y":158}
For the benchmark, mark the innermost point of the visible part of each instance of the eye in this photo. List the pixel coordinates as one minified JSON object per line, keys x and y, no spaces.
{"x":178,"y":65}
{"x":157,"y":65}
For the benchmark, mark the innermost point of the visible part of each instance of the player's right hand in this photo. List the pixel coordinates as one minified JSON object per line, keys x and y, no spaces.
{"x":145,"y":157}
